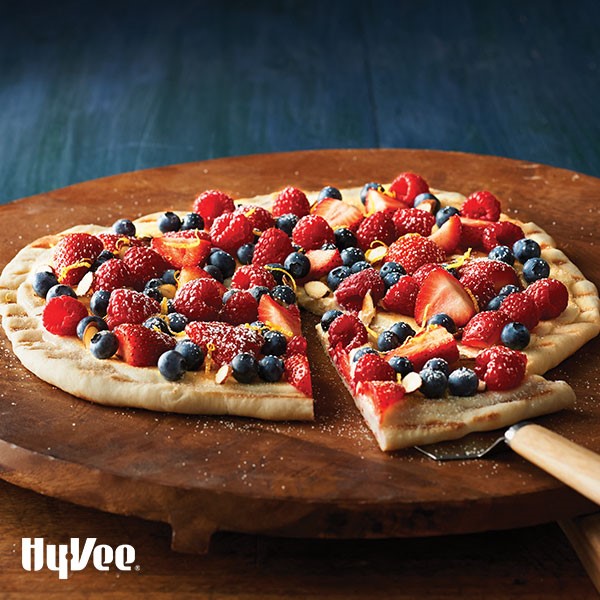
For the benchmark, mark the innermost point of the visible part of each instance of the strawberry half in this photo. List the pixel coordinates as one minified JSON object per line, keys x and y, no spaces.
{"x":73,"y":256}
{"x":183,"y":248}
{"x":323,"y":261}
{"x":443,"y":293}
{"x":140,"y":346}
{"x":448,"y":236}
{"x":338,"y":213}
{"x":283,"y":319}
{"x":377,"y":201}
{"x":433,"y":342}
{"x":297,"y":372}
{"x":472,"y":232}
{"x":484,"y":329}
{"x":498,"y":272}
{"x":385,"y":396}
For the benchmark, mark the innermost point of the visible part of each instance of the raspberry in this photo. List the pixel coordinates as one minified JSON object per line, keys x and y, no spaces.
{"x":484,"y":329}
{"x":62,"y":314}
{"x":230,"y":231}
{"x":141,"y":346}
{"x":311,"y":232}
{"x":414,"y":250}
{"x":481,"y":205}
{"x":351,"y":292}
{"x":372,"y":367}
{"x":144,"y":264}
{"x":199,"y":300}
{"x":223,"y":341}
{"x":129,"y":306}
{"x":421,"y":273}
{"x":74,"y":255}
{"x":348,"y":331}
{"x":240,"y":307}
{"x":401,"y":297}
{"x":551,"y":297}
{"x":481,"y":287}
{"x":111,"y":275}
{"x":407,"y":186}
{"x":297,"y":372}
{"x":521,"y":307}
{"x":502,"y":233}
{"x":379,"y":226}
{"x":212,"y":204}
{"x":501,"y":368}
{"x":498,"y":272}
{"x":250,"y":275}
{"x":272,"y":247}
{"x":259,"y":217}
{"x":291,"y":200}
{"x":297,"y":345}
{"x":413,"y":220}
{"x":113,"y":242}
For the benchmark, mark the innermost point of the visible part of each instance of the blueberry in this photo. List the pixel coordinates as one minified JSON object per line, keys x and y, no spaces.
{"x":270,"y":368}
{"x":453,"y":271}
{"x":351,"y":255}
{"x":330,"y":192}
{"x":154,"y":283}
{"x":258,"y":291}
{"x":515,"y":335}
{"x":215,"y":272}
{"x":524,"y":249}
{"x":177,"y":322}
{"x":495,"y":302}
{"x":361,"y":265}
{"x":286,"y":223}
{"x":387,"y":340}
{"x":244,"y":367}
{"x":104,"y":344}
{"x":438,"y":364}
{"x":391,"y":278}
{"x":42,"y":282}
{"x":104,"y":256}
{"x":157,"y":324}
{"x":442,"y":215}
{"x":391,"y":267}
{"x":192,"y":221}
{"x":336,"y":276}
{"x":228,"y":294}
{"x":372,"y":185}
{"x":434,"y":383}
{"x":402,"y":365}
{"x":344,"y":238}
{"x":444,"y":320}
{"x":278,"y":271}
{"x":169,"y":276}
{"x":297,"y":265}
{"x":245,"y":253}
{"x":328,"y":246}
{"x":60,"y":290}
{"x":360,"y":352}
{"x":223,"y":261}
{"x":403,"y":330}
{"x":153,"y":293}
{"x":283,"y":293}
{"x":192,"y":353}
{"x":503,"y":254}
{"x":508,"y":289}
{"x":124,"y":227}
{"x":275,"y":343}
{"x":435,"y":203}
{"x":99,"y":302}
{"x":97,"y":322}
{"x":463,"y":382}
{"x":257,"y":325}
{"x":168,"y":221}
{"x":534,"y":269}
{"x":172,"y":365}
{"x":328,"y":318}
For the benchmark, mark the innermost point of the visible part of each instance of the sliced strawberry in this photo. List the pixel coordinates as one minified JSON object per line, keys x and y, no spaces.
{"x":377,"y":201}
{"x":183,"y":248}
{"x":421,"y":273}
{"x":481,"y":287}
{"x":484,"y":329}
{"x":141,"y":346}
{"x":322,"y":261}
{"x":115,"y":242}
{"x":297,"y":345}
{"x":498,"y":272}
{"x":73,"y":256}
{"x":413,"y":251}
{"x":448,"y":236}
{"x":472,"y":232}
{"x":338,"y":213}
{"x":188,"y":274}
{"x":443,"y":293}
{"x":385,"y":396}
{"x":283,"y":319}
{"x":372,"y":367}
{"x":297,"y":372}
{"x":433,"y":342}
{"x":401,"y":297}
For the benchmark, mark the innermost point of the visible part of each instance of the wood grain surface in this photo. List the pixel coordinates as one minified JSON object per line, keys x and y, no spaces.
{"x":328,"y":479}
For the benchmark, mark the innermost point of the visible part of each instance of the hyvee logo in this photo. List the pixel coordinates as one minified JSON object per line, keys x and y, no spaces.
{"x":66,"y":558}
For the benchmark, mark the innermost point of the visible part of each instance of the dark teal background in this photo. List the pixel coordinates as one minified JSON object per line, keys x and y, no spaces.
{"x":89,"y":89}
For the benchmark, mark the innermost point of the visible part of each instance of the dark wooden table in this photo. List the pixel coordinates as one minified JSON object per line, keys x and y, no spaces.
{"x":88,"y":90}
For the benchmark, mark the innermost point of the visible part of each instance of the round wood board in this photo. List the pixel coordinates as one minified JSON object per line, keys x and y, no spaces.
{"x":323,"y":479}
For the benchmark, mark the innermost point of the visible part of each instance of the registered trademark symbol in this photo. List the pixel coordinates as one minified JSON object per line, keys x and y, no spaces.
{"x":137,"y":568}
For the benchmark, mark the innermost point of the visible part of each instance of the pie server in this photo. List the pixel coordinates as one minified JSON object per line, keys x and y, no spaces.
{"x":574,"y":465}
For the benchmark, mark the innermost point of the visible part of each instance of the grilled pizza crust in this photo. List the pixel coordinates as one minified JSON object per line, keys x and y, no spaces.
{"x":63,"y":362}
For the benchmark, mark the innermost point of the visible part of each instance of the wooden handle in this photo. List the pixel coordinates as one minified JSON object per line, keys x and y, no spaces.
{"x":584,"y":535}
{"x":572,"y":464}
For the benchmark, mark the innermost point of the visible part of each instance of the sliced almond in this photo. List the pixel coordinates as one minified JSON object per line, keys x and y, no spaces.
{"x":222,"y":374}
{"x":90,"y":331}
{"x":374,"y":255}
{"x":367,"y":311}
{"x":316,"y":289}
{"x":481,"y":386}
{"x":411,"y":382}
{"x":85,"y":285}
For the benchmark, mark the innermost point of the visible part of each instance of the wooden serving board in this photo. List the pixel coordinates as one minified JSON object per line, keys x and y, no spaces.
{"x":323,"y":479}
